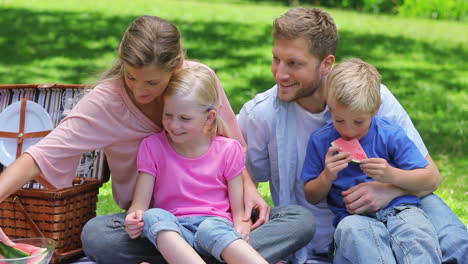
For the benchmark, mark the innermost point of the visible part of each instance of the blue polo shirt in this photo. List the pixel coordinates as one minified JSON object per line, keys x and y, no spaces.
{"x":384,"y":140}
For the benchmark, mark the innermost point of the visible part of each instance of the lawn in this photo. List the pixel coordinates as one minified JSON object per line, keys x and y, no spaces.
{"x":423,"y":62}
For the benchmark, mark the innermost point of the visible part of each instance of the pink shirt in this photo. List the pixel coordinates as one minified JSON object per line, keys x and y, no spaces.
{"x":107,"y":118}
{"x":191,"y":187}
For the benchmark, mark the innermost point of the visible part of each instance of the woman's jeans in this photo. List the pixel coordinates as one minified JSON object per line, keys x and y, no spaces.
{"x":451,"y":232}
{"x":400,"y":234}
{"x":208,"y":235}
{"x":105,"y":240}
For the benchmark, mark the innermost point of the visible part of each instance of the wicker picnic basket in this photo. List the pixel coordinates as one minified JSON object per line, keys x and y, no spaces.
{"x":38,"y":209}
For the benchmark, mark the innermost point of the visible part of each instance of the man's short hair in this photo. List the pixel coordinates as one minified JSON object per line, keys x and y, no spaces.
{"x":313,"y":24}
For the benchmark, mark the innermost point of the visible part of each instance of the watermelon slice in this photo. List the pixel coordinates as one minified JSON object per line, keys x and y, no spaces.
{"x":21,"y":250}
{"x":352,"y":146}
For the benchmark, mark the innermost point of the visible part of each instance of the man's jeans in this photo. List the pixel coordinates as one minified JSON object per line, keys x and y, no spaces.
{"x":105,"y":240}
{"x":451,"y":232}
{"x":401,"y":234}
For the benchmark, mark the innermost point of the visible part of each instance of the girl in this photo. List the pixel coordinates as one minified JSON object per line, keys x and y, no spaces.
{"x":123,"y":108}
{"x":193,"y":177}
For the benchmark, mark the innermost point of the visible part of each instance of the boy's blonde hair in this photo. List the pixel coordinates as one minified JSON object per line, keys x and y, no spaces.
{"x":355,"y":84}
{"x":149,"y":40}
{"x":200,"y":85}
{"x":313,"y":24}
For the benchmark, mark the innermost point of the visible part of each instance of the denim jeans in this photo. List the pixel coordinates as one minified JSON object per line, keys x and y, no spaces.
{"x":209,"y":235}
{"x":400,"y":234}
{"x":105,"y":240}
{"x":452,"y":233}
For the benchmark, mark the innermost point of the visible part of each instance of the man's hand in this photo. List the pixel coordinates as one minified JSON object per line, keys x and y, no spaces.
{"x":253,"y":200}
{"x":368,"y":197}
{"x":134,"y":223}
{"x":5,"y":240}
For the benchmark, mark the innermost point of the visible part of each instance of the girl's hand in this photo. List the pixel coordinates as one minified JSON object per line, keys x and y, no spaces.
{"x":5,"y":240}
{"x":378,"y":169}
{"x":334,"y":163}
{"x":244,"y":229}
{"x":134,"y":224}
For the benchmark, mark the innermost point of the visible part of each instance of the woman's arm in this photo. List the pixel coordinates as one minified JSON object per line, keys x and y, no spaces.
{"x":21,"y":171}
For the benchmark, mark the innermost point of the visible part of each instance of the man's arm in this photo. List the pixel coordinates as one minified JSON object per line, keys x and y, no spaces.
{"x":253,"y":200}
{"x":257,"y":161}
{"x":372,"y":196}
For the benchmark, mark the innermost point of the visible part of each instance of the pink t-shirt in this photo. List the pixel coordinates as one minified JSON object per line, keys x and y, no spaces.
{"x":191,"y":187}
{"x":107,"y":118}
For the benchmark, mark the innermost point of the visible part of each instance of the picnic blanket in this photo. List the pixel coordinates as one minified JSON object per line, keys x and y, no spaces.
{"x":83,"y":260}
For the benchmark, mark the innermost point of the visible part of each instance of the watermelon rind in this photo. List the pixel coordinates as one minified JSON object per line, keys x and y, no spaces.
{"x":12,"y":252}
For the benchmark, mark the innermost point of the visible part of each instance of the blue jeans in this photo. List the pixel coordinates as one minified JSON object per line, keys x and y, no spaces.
{"x":452,"y":233}
{"x":105,"y":240}
{"x":400,"y":234}
{"x":209,"y":235}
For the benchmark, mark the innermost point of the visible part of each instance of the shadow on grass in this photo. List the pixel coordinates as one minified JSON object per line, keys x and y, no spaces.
{"x":28,"y":38}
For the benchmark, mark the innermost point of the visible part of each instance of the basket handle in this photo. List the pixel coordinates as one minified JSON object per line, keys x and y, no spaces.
{"x":31,"y":222}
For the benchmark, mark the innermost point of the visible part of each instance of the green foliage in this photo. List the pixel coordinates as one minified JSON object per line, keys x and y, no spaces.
{"x":437,"y":9}
{"x":434,"y":9}
{"x":423,"y":62}
{"x":106,"y":204}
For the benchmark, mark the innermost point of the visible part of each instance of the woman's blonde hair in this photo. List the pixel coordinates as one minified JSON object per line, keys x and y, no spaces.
{"x":200,"y":85}
{"x":149,"y":40}
{"x":356,"y":84}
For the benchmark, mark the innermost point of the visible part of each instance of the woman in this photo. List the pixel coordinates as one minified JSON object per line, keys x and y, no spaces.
{"x":123,"y":108}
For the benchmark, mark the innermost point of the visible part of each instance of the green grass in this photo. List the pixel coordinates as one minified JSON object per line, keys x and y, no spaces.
{"x":422,"y":61}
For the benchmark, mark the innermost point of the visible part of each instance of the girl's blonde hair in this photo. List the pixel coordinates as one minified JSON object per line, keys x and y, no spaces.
{"x":355,"y":84}
{"x":149,"y":40}
{"x":200,"y":85}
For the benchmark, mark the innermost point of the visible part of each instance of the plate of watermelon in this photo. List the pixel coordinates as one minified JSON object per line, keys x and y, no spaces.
{"x":37,"y":250}
{"x":353,"y":146}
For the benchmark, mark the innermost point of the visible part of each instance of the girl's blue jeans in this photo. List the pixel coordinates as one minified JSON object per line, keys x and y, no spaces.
{"x":209,"y":235}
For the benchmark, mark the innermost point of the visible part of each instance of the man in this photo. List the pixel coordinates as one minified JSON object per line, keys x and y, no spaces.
{"x":277,"y":124}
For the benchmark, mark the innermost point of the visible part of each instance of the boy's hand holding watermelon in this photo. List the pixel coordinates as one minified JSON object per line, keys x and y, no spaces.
{"x":334,"y":163}
{"x":378,"y":169}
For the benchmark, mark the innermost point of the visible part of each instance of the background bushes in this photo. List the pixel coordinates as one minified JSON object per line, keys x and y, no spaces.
{"x":435,"y":9}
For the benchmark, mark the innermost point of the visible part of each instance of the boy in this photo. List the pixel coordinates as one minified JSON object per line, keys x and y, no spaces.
{"x":401,"y":231}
